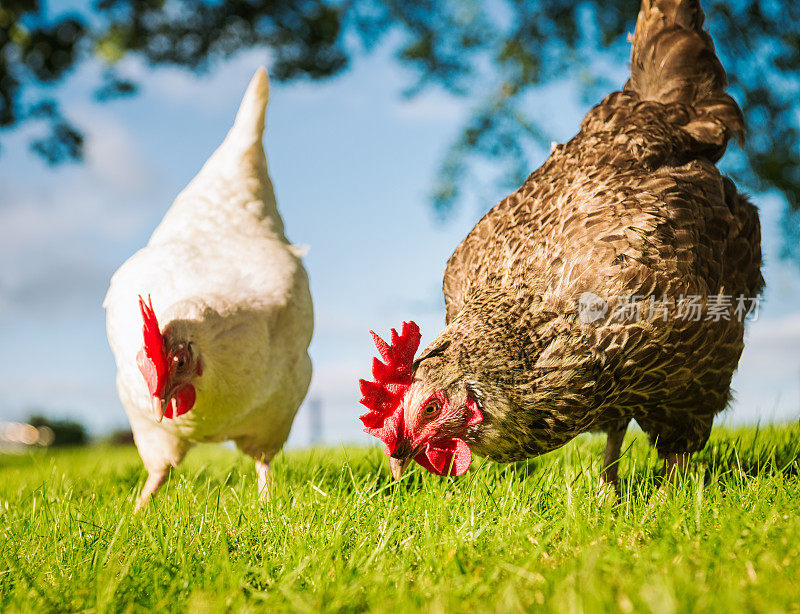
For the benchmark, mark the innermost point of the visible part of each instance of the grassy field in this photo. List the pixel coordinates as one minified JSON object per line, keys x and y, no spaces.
{"x":339,"y":535}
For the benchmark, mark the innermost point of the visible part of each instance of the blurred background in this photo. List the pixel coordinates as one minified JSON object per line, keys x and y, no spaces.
{"x":392,"y":127}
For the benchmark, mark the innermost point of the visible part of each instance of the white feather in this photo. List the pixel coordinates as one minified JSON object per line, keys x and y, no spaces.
{"x":221,"y":274}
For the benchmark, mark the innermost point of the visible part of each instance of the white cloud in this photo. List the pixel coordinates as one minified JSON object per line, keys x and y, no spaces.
{"x":61,"y":230}
{"x":431,"y":106}
{"x":112,"y":154}
{"x":767,"y":384}
{"x":212,"y":92}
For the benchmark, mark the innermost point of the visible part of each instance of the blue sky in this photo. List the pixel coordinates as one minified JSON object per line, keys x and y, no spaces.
{"x":353,"y":163}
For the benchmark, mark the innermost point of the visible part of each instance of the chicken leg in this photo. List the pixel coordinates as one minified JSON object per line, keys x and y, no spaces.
{"x":674,"y":464}
{"x":608,"y":488}
{"x":154,"y":481}
{"x":264,"y":481}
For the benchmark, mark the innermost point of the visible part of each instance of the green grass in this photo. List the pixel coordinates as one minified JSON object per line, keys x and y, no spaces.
{"x":339,"y":535}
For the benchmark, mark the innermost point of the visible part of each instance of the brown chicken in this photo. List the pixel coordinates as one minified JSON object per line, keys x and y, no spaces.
{"x":611,"y":286}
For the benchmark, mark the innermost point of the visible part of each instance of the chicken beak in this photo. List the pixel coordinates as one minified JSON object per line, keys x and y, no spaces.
{"x":398,"y":465}
{"x":158,"y":409}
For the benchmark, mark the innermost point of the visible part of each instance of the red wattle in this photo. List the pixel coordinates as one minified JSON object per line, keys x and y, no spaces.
{"x":453,"y":454}
{"x":184,"y":400}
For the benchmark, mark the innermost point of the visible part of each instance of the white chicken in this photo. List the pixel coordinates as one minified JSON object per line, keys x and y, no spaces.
{"x":210,"y":323}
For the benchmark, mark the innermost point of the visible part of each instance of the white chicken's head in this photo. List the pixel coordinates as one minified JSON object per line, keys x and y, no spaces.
{"x":169,"y":365}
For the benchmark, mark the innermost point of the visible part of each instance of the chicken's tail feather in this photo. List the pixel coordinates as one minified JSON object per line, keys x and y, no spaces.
{"x":673,"y":60}
{"x":248,"y":128}
{"x":236,"y":174}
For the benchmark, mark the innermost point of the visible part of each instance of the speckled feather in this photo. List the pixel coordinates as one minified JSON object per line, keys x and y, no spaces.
{"x":632,"y":205}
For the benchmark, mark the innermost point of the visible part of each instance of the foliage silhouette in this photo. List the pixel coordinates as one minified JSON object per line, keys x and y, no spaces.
{"x":493,"y":54}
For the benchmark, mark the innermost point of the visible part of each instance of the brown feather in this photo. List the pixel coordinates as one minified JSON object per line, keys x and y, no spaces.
{"x":632,"y":205}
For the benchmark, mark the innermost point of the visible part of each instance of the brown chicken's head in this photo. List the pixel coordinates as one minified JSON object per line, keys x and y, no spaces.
{"x":168,"y":365}
{"x":416,"y":419}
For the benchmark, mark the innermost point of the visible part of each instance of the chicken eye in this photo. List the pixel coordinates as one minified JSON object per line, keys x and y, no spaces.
{"x":431,"y":409}
{"x":181,"y":360}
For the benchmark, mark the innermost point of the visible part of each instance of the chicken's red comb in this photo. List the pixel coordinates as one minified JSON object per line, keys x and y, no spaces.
{"x":384,"y":396}
{"x":152,"y":359}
